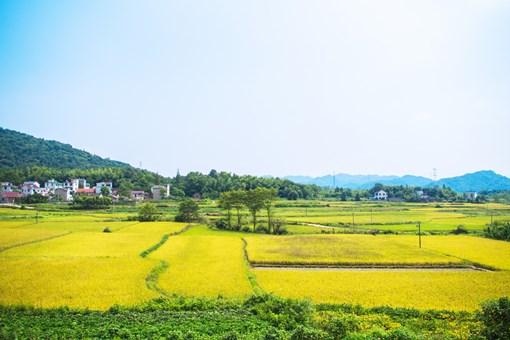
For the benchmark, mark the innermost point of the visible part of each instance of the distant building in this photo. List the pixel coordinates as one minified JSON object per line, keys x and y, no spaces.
{"x":381,"y":195}
{"x":9,"y":196}
{"x":29,"y":188}
{"x":82,"y":183}
{"x":72,"y":184}
{"x":86,"y":191}
{"x":422,"y":196}
{"x":52,"y":184}
{"x":63,"y":194}
{"x":103,"y":184}
{"x":470,"y":195}
{"x":8,"y":186}
{"x":138,"y":194}
{"x":160,"y":191}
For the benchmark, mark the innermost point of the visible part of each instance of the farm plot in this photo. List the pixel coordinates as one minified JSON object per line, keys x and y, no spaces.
{"x":94,"y":283}
{"x":377,"y":217}
{"x":203,"y":266}
{"x":487,"y":252}
{"x":90,"y":244}
{"x":421,"y":290}
{"x":343,"y":250}
{"x":12,"y":237}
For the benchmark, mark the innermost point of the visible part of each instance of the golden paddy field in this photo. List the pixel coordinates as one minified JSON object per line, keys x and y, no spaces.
{"x":67,"y":260}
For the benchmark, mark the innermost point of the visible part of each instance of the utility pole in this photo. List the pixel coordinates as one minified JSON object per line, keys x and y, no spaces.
{"x":419,"y":232}
{"x":491,"y":218}
{"x":37,"y":217}
{"x":353,"y":220}
{"x":371,"y":213}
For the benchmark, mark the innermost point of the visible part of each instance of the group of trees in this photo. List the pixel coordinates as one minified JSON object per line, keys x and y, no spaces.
{"x":91,"y":202}
{"x":254,"y":200}
{"x":215,"y":183}
{"x":396,"y":192}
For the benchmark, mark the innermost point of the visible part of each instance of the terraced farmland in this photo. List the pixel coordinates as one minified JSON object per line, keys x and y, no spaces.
{"x":67,"y":260}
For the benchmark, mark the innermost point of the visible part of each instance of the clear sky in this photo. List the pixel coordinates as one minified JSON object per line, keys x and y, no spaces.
{"x":264,"y":87}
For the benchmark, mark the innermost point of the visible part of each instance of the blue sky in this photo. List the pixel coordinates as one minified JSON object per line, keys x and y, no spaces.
{"x":264,"y":87}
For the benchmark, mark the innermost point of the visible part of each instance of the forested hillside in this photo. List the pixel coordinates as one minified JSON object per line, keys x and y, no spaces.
{"x":19,"y":150}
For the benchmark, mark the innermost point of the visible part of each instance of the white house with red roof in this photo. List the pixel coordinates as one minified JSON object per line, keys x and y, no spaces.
{"x":29,"y":188}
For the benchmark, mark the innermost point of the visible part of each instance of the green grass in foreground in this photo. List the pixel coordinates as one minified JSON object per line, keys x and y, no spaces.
{"x":257,"y":317}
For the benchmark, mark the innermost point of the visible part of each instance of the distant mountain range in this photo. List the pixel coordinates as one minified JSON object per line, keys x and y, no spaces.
{"x":20,"y":150}
{"x":477,"y":181}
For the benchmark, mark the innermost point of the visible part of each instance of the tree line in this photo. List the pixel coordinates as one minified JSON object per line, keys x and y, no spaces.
{"x":254,"y":200}
{"x":212,"y":185}
{"x":209,"y":186}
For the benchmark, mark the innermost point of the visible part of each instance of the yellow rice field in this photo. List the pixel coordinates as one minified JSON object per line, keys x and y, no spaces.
{"x":88,"y":268}
{"x":491,"y":253}
{"x":421,"y":290}
{"x":79,"y":282}
{"x":204,"y":266}
{"x":10,"y":238}
{"x":343,"y":250}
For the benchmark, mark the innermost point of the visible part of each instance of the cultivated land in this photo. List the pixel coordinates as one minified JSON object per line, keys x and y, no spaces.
{"x":67,"y":260}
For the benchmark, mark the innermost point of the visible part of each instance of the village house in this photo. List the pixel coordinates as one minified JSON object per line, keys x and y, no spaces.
{"x":86,"y":191}
{"x":9,"y":196}
{"x":8,"y":186}
{"x":381,"y":195}
{"x":138,"y":194}
{"x":63,"y":194}
{"x":160,"y":191}
{"x":103,"y":184}
{"x":52,"y":184}
{"x":29,"y":188}
{"x":470,"y":195}
{"x":72,"y":184}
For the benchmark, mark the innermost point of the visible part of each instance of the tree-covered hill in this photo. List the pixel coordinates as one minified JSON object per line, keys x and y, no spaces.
{"x":21,"y":150}
{"x":477,"y":181}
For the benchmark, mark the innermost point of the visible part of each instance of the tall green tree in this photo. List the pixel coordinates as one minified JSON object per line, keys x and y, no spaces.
{"x":226,"y":203}
{"x":238,"y":198}
{"x":188,"y":211}
{"x":148,"y":212}
{"x":268,"y":198}
{"x":105,"y":191}
{"x":254,"y":201}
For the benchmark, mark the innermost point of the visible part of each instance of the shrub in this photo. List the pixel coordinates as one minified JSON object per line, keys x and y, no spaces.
{"x":262,"y":229}
{"x":148,"y":212}
{"x":461,"y":229}
{"x":499,"y":231}
{"x":495,"y":316}
{"x":282,"y":313}
{"x":107,"y":230}
{"x":221,"y":224}
{"x":308,"y":333}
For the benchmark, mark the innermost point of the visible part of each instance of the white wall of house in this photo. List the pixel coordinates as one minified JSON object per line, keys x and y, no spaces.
{"x":72,"y":184}
{"x":7,"y":186}
{"x":381,"y":195}
{"x":103,"y":184}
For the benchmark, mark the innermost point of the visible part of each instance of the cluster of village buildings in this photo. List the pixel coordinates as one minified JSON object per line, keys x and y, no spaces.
{"x":65,"y":191}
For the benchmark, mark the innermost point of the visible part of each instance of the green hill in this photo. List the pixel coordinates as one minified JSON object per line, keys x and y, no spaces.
{"x":22,"y":150}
